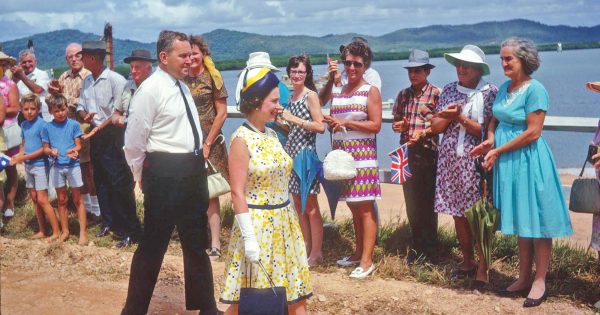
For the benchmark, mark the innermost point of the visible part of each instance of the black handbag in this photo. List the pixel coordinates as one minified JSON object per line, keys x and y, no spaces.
{"x":585,"y":194}
{"x":268,"y":301}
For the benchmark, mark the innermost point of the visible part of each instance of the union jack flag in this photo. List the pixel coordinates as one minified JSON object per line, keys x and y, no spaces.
{"x":400,"y":171}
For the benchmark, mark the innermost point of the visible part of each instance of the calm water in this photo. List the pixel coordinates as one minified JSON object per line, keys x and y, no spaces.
{"x":563,"y":74}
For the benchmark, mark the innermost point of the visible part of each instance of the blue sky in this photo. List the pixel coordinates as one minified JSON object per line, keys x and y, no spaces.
{"x":142,"y":19}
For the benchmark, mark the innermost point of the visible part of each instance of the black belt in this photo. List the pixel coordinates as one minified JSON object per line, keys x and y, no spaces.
{"x":269,"y":207}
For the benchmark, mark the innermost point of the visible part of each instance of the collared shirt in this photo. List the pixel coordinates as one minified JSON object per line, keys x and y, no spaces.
{"x":371,"y":76}
{"x":41,"y":78}
{"x":128,"y":92}
{"x":100,"y":96}
{"x":158,"y":120}
{"x":72,"y":83}
{"x":416,"y":107}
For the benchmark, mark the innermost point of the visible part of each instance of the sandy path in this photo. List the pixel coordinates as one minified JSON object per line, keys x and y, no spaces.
{"x":38,"y":278}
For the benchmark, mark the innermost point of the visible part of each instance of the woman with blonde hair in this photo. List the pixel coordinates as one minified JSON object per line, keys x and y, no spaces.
{"x":210,"y":96}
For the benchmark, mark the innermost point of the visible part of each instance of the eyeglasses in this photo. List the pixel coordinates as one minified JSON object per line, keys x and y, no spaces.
{"x":356,"y":64}
{"x":297,"y":72}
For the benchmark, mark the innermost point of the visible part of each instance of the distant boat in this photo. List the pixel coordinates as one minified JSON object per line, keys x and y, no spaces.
{"x":559,"y":47}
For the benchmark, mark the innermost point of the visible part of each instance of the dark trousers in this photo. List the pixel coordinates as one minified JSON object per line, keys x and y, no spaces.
{"x":114,"y":182}
{"x":175,"y":194}
{"x":419,"y":194}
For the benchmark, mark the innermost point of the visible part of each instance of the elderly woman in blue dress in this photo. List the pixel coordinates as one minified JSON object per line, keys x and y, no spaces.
{"x":527,"y":188}
{"x":463,"y":111}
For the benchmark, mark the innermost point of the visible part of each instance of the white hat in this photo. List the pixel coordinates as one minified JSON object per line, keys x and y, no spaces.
{"x":472,"y":54}
{"x":260,"y":59}
{"x":256,"y":60}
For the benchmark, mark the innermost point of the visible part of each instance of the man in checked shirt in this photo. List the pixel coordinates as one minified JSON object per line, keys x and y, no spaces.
{"x":412,"y":112}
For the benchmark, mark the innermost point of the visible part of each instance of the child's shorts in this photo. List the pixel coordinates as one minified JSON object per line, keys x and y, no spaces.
{"x":60,"y":176}
{"x":36,"y":177}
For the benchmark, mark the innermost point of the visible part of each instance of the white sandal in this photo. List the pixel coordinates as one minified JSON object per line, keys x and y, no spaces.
{"x":360,"y":273}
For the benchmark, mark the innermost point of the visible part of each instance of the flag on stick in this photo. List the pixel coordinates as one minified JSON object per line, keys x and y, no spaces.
{"x":400,"y":171}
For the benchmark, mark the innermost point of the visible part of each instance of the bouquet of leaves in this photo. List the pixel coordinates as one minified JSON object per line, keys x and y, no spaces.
{"x":483,"y":220}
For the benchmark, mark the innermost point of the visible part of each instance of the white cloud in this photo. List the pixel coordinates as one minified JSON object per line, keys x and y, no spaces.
{"x":143,"y":19}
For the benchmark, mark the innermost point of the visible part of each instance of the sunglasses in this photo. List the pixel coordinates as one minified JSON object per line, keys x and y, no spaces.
{"x":356,"y":64}
{"x":465,"y":64}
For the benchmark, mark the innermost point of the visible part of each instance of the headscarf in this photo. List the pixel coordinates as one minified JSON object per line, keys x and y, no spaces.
{"x":214,"y":73}
{"x":475,"y":105}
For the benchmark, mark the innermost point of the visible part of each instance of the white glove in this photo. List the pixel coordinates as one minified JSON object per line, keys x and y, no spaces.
{"x":251,"y":248}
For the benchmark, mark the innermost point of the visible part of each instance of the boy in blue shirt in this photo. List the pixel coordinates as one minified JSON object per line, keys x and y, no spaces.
{"x":36,"y":165}
{"x":61,"y":142}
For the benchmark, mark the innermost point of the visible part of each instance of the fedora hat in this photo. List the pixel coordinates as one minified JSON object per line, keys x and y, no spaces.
{"x":260,"y":59}
{"x":93,"y":46}
{"x":594,"y":86}
{"x":418,"y":58}
{"x":472,"y":54}
{"x":139,"y":54}
{"x":4,"y":58}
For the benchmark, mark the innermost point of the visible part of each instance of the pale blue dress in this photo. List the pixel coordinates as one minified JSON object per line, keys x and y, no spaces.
{"x":527,"y":188}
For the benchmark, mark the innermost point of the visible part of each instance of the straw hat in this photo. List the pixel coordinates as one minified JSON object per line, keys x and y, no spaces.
{"x":472,"y":54}
{"x":594,"y":86}
{"x":4,"y":58}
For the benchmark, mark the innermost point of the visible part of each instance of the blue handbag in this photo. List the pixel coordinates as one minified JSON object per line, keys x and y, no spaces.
{"x":268,"y":301}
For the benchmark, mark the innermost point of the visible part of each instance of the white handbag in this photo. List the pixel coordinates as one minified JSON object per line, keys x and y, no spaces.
{"x":12,"y":136}
{"x":217,"y":184}
{"x":339,"y":165}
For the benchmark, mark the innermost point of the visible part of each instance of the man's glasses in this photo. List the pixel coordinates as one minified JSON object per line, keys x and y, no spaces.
{"x":356,"y":64}
{"x":297,"y":72}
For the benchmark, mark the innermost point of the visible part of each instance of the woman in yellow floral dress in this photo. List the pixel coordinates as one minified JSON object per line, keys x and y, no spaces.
{"x":266,"y":228}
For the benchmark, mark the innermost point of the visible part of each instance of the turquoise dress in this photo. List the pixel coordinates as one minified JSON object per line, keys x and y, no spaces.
{"x":527,"y":189}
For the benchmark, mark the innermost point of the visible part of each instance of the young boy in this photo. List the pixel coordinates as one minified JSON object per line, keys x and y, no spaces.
{"x":36,"y":165}
{"x":61,"y":142}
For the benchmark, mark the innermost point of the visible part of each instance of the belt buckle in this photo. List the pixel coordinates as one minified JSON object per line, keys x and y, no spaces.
{"x":197,"y":152}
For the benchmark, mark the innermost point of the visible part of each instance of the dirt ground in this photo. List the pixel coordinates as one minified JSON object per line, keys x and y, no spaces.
{"x":41,"y":278}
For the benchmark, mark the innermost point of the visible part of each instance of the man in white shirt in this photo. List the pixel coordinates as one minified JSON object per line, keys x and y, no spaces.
{"x":114,"y":182}
{"x":163,"y":146}
{"x":30,"y":79}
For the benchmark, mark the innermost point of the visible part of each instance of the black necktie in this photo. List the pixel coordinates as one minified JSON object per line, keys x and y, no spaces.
{"x":191,"y":119}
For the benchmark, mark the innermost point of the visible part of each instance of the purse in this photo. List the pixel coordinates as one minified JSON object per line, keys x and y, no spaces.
{"x":217,"y":184}
{"x":268,"y":301}
{"x":585,"y":194}
{"x":339,"y":164}
{"x":12,"y":136}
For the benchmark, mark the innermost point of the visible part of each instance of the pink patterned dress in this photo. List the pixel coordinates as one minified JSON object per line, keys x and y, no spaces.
{"x":457,"y":180}
{"x":362,"y":146}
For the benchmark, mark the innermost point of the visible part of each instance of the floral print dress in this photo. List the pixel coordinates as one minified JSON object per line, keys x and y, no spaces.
{"x":276,"y":225}
{"x":596,"y":218}
{"x":457,"y":181}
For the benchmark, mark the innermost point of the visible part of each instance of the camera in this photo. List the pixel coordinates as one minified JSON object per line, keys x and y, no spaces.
{"x":592,"y":150}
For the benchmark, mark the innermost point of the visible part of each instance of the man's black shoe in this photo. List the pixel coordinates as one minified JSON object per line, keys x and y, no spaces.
{"x":127,"y":241}
{"x":103,"y":232}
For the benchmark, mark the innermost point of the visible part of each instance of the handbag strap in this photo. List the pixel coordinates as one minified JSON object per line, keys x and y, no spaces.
{"x":262,"y":267}
{"x":209,"y":166}
{"x":344,"y":139}
{"x":583,"y":167}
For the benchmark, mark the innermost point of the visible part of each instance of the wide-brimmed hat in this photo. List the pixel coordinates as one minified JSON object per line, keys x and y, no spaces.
{"x":93,"y":47}
{"x":260,"y":59}
{"x":6,"y":58}
{"x":139,"y":54}
{"x":418,"y":58}
{"x":594,"y":86}
{"x":472,"y":54}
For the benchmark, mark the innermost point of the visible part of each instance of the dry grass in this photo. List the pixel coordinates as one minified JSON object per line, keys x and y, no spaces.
{"x":574,"y":273}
